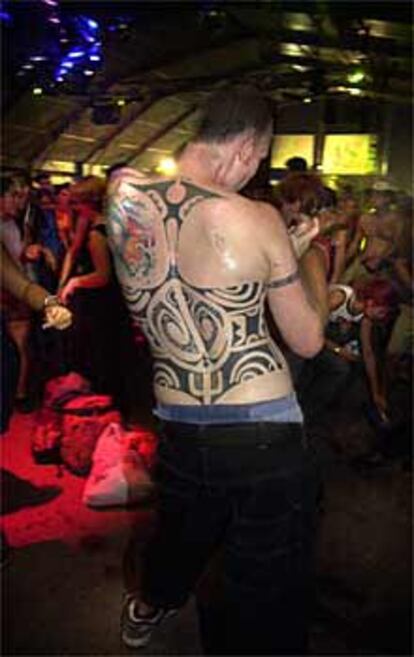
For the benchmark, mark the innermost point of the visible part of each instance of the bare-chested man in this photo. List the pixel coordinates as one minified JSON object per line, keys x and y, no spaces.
{"x":196,"y":262}
{"x":378,"y":230}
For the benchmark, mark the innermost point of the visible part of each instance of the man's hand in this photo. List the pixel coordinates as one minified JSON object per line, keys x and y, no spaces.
{"x":302,"y":235}
{"x":57,"y":316}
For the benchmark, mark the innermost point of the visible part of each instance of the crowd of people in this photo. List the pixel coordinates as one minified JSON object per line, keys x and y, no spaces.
{"x":365,"y":241}
{"x":56,"y":237}
{"x":208,"y":275}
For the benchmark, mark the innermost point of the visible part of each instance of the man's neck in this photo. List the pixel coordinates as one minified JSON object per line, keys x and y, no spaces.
{"x":196,"y":165}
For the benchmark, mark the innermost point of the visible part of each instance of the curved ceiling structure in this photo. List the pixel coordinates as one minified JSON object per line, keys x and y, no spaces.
{"x":141,"y":102}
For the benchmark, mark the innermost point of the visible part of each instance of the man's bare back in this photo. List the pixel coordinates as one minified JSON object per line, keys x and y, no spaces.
{"x":194,"y":263}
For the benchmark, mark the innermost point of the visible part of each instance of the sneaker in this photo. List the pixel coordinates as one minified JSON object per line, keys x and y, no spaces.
{"x":136,"y":630}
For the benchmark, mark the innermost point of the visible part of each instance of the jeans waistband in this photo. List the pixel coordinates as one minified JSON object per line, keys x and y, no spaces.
{"x":258,"y":433}
{"x":283,"y":410}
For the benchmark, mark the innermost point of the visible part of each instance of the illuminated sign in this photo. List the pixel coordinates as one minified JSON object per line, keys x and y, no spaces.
{"x":286,"y":146}
{"x":350,"y":154}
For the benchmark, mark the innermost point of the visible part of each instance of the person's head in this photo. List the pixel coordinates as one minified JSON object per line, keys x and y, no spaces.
{"x":88,"y":194}
{"x":296,"y":164}
{"x":348,"y":205}
{"x":382,"y":195}
{"x":380,"y":299}
{"x":42,"y":180}
{"x":45,"y":199}
{"x":62,"y":195}
{"x":236,"y":125}
{"x":22,"y":186}
{"x":8,"y":197}
{"x":299,"y":193}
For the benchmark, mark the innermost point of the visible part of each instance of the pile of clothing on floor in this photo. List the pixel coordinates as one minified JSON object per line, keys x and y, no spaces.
{"x":84,"y":432}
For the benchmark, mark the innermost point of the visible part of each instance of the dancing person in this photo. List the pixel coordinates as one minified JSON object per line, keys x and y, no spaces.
{"x":14,"y":280}
{"x":63,"y":213}
{"x":373,"y":248}
{"x":196,"y":261}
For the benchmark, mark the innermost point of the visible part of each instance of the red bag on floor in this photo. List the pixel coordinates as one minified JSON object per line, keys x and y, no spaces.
{"x":70,"y":422}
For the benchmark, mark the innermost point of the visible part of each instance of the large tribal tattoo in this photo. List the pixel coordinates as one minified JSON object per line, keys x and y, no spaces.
{"x":205,"y":341}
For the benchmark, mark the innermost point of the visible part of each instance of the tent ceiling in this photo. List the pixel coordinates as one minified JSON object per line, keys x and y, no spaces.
{"x":175,"y":53}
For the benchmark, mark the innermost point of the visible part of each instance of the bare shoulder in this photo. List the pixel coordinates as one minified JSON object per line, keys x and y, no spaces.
{"x":124,"y":177}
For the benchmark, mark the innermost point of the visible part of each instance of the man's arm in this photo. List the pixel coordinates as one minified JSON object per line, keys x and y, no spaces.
{"x":296,"y":310}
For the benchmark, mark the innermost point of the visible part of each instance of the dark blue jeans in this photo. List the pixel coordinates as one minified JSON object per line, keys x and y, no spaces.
{"x":252,"y":490}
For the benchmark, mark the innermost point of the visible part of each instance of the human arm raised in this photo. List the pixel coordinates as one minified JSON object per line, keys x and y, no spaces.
{"x":293,"y":304}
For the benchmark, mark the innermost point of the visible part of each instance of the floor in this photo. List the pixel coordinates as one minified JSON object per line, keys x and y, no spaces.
{"x":63,"y":579}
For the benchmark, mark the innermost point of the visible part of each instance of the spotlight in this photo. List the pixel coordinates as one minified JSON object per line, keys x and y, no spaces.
{"x":121,"y":102}
{"x":76,"y":53}
{"x":356,"y":76}
{"x":167,"y":165}
{"x":37,"y":91}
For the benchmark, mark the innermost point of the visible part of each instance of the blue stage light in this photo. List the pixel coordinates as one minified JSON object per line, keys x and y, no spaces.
{"x":92,"y":24}
{"x":75,"y":54}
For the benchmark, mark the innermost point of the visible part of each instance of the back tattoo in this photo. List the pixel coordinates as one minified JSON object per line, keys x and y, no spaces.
{"x":205,"y":341}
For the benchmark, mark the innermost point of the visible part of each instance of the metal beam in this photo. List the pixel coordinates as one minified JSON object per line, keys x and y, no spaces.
{"x":123,"y":125}
{"x":160,"y":133}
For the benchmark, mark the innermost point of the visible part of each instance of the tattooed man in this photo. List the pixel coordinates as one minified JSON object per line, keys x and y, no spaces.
{"x":196,"y":262}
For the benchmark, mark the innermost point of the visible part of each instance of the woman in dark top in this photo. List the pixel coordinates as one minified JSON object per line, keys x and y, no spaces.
{"x":101,"y":345}
{"x":85,"y":284}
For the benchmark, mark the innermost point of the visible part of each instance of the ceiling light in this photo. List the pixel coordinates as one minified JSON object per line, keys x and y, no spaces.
{"x":307,"y":100}
{"x":121,"y":102}
{"x":356,"y":76}
{"x":37,"y":91}
{"x":168,"y":166}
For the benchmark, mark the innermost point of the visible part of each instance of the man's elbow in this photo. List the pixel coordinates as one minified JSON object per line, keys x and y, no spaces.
{"x":310,"y":345}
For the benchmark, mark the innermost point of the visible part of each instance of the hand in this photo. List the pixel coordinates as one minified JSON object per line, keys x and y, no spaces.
{"x":57,"y":316}
{"x":33,"y":252}
{"x":381,"y":405}
{"x":302,"y":235}
{"x":68,"y":290}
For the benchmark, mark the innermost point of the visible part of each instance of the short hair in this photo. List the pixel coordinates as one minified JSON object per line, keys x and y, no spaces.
{"x":62,"y":187}
{"x":296,"y":164}
{"x":304,"y":187}
{"x":232,"y":111}
{"x":380,"y":291}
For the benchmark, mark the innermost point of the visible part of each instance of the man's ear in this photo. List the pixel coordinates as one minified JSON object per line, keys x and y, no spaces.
{"x":246,"y":148}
